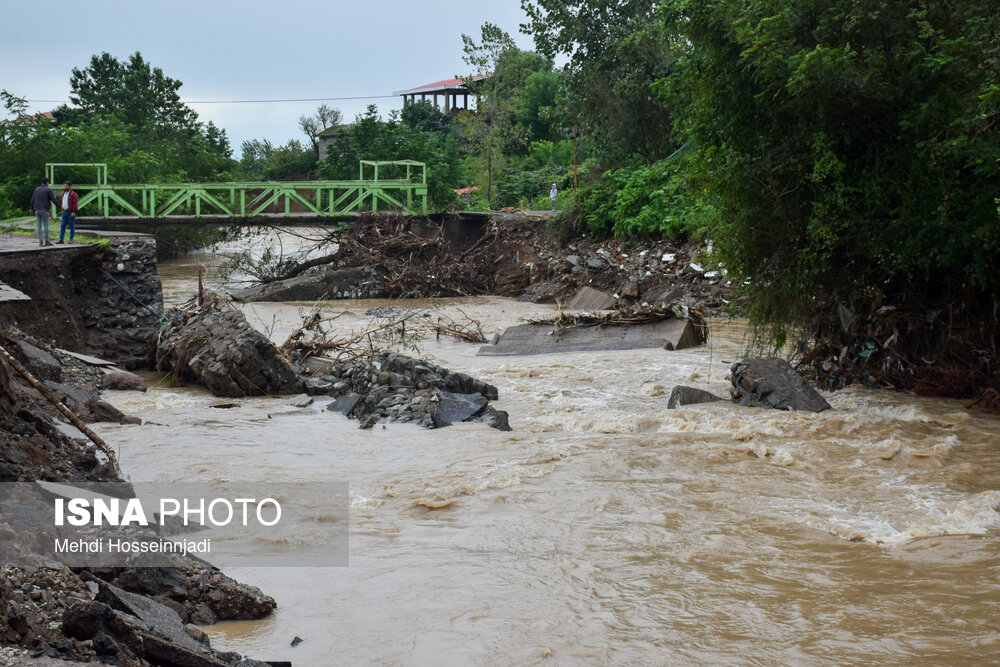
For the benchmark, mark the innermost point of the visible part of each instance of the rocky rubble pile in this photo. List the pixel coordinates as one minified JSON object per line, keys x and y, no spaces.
{"x":631,"y":273}
{"x":213,"y":345}
{"x":143,"y":618}
{"x":71,"y":381}
{"x":397,"y":388}
{"x":38,"y":603}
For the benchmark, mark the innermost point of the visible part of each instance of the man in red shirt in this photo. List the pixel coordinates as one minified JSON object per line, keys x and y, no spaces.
{"x":69,"y":209}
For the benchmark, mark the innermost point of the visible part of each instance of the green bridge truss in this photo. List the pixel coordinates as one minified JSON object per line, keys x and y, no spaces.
{"x":255,"y":198}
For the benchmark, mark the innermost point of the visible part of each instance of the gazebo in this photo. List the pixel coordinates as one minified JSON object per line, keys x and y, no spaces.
{"x":451,"y":89}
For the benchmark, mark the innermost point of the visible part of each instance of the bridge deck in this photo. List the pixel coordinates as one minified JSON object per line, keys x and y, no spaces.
{"x":253,"y":199}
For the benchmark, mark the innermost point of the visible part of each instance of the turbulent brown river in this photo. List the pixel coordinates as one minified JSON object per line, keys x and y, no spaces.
{"x":607,"y":529}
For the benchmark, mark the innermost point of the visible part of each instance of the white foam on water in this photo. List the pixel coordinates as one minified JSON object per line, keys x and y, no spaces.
{"x":929,"y":515}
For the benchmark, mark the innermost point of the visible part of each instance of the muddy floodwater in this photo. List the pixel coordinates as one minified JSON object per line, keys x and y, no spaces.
{"x":607,"y":529}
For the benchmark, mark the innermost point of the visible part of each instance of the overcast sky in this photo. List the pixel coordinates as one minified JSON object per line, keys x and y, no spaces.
{"x":250,"y":50}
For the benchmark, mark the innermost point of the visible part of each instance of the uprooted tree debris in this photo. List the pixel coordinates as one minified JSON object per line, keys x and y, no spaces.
{"x":623,"y":316}
{"x":391,"y":327}
{"x":948,"y":350}
{"x":390,"y":256}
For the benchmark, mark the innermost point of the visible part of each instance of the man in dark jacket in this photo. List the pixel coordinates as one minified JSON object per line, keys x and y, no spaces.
{"x":69,"y":207}
{"x":40,"y":207}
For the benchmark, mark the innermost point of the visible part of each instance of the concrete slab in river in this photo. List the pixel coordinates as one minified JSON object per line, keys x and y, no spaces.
{"x":525,"y":339}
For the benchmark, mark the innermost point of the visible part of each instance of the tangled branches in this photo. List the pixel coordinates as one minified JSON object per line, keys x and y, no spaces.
{"x":419,"y":266}
{"x":399,"y":329}
{"x":622,"y":316}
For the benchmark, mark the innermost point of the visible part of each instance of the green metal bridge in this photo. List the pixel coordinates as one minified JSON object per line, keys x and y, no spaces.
{"x":255,"y":198}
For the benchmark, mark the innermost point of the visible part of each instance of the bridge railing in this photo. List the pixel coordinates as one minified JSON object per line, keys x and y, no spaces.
{"x":255,"y":198}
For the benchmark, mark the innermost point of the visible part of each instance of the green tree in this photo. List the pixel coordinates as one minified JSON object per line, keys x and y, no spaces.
{"x":372,"y":138}
{"x":134,"y":91}
{"x":425,"y":115}
{"x":617,"y":50}
{"x":851,"y":148}
{"x":536,"y":104}
{"x":485,"y":131}
{"x":261,"y":160}
{"x":324,"y":118}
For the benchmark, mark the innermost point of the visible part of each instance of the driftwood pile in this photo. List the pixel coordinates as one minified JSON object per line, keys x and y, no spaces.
{"x":623,"y":316}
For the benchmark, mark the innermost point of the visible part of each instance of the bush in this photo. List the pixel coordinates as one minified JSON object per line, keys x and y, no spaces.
{"x":655,"y":201}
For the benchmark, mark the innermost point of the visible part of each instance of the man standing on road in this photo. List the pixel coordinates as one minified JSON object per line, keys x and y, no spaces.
{"x":552,"y":195}
{"x":69,"y":208}
{"x":40,"y":207}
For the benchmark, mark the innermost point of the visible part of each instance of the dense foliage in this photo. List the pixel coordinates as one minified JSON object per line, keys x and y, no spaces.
{"x":850,"y":147}
{"x":616,"y":50}
{"x":639,"y":201}
{"x":844,"y":156}
{"x":516,"y":106}
{"x":263,"y":161}
{"x":130,"y":118}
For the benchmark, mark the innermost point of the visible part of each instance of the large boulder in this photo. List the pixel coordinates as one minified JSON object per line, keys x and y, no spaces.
{"x":771,"y":382}
{"x":681,"y":395}
{"x":215,"y":346}
{"x":85,"y":403}
{"x":123,"y":380}
{"x":42,"y":364}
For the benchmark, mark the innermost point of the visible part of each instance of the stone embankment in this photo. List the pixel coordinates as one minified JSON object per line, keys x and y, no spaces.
{"x":103,"y":300}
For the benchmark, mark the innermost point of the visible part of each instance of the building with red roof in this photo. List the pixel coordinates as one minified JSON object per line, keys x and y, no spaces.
{"x":450,"y":89}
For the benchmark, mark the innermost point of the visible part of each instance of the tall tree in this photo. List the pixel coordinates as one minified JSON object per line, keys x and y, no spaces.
{"x":851,"y":148}
{"x":617,"y":50}
{"x":485,"y":58}
{"x":324,"y":118}
{"x":136,"y":92}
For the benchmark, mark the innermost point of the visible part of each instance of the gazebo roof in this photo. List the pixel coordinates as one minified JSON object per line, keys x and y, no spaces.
{"x":445,"y":86}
